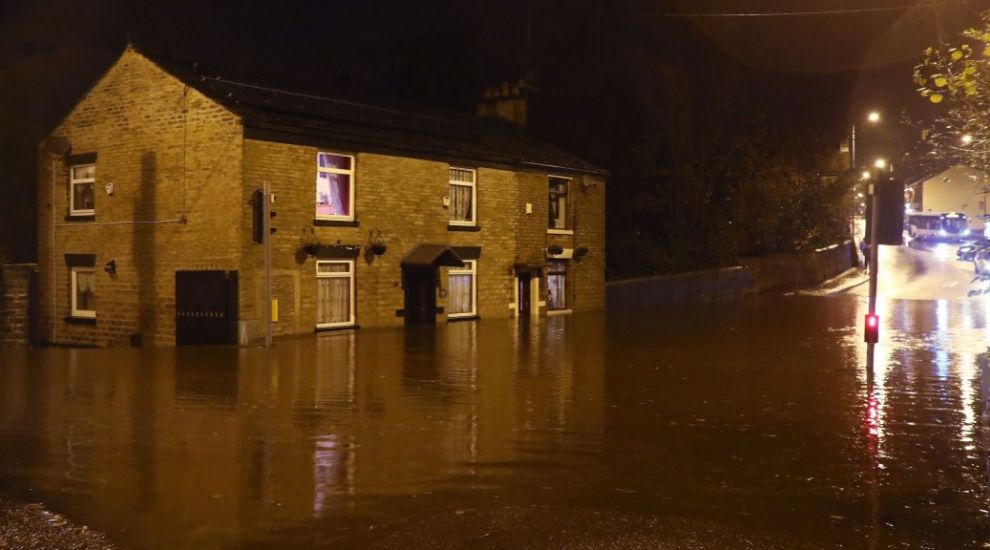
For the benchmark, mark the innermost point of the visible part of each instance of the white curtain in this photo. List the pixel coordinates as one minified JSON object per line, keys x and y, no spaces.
{"x":556,"y":292}
{"x":333,"y":300}
{"x":460,"y":202}
{"x":85,"y":290}
{"x":459,"y":294}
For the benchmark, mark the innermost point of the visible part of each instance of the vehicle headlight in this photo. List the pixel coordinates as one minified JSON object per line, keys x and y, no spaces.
{"x":965,"y":232}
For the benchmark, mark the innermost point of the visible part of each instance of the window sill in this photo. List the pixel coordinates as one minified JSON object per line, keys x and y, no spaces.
{"x":553,"y":312}
{"x":80,"y":218}
{"x":336,"y":223}
{"x":474,"y":317}
{"x":338,"y":327}
{"x":560,"y":231}
{"x":80,"y":320}
{"x":452,"y":227}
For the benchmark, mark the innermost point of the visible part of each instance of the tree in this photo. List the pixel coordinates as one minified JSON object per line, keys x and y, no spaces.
{"x":956,"y":81}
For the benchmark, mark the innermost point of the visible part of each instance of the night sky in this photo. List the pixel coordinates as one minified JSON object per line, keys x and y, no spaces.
{"x":594,"y":63}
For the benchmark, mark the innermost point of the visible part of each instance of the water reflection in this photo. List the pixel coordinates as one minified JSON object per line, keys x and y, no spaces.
{"x":756,"y":414}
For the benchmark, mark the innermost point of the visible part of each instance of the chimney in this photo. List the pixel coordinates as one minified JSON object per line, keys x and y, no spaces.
{"x":507,"y":101}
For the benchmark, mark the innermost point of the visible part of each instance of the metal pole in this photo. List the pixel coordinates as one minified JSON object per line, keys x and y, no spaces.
{"x":852,"y":148}
{"x":874,"y":253}
{"x":266,"y":235}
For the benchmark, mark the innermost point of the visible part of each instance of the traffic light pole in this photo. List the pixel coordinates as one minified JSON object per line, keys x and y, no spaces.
{"x":874,"y":251}
{"x":266,"y":200}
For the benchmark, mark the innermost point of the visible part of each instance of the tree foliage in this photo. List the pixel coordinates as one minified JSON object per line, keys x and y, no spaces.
{"x":956,"y":81}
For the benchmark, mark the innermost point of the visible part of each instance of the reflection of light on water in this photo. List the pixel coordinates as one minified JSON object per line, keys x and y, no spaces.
{"x":942,"y":315}
{"x":332,"y":470}
{"x":968,"y":368}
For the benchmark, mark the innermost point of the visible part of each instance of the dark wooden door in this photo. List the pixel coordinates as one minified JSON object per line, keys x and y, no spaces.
{"x":421,"y":296}
{"x":524,"y":294}
{"x":205,"y":307}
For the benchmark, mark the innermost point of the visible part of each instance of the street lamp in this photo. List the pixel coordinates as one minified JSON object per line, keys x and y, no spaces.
{"x":873,"y":117}
{"x":967,"y":139}
{"x":880,"y":164}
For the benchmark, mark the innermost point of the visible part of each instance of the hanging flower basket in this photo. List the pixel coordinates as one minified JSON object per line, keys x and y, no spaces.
{"x":555,"y":250}
{"x":378,"y":248}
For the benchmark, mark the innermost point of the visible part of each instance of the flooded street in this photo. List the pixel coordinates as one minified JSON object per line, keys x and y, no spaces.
{"x":750,"y":423}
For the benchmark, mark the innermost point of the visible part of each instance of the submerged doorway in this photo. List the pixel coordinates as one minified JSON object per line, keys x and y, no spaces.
{"x":523,"y":293}
{"x":420,"y":295}
{"x":419,"y":281}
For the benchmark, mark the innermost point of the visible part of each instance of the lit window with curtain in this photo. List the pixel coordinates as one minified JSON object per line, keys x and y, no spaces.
{"x":556,"y":284}
{"x":334,"y":186}
{"x":462,"y":293}
{"x":334,"y":293}
{"x":83,"y":292}
{"x":82,"y":190}
{"x":558,"y":203}
{"x":463,"y":192}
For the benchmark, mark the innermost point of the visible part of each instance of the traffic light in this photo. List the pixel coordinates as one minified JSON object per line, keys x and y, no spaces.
{"x":872,"y":333}
{"x":257,"y":216}
{"x":890,"y":211}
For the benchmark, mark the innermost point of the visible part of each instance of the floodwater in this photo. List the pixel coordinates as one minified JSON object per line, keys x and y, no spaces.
{"x":751,"y":423}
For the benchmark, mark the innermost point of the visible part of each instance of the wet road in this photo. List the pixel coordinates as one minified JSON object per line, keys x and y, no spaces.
{"x":741,"y":424}
{"x":924,"y":270}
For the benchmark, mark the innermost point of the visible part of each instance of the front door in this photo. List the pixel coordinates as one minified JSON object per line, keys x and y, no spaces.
{"x":421,"y":295}
{"x":523,"y":299}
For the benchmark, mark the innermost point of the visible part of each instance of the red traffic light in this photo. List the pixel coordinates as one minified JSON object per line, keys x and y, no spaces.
{"x":872,"y":333}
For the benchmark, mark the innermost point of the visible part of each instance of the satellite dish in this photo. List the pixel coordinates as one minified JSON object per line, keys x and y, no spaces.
{"x":58,"y":145}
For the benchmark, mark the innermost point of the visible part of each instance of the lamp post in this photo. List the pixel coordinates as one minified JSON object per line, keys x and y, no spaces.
{"x":873,"y":117}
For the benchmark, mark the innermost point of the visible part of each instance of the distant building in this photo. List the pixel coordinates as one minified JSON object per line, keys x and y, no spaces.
{"x":385,"y":216}
{"x":956,"y":189}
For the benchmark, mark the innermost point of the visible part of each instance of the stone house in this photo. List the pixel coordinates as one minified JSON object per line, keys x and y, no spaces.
{"x":384,"y":216}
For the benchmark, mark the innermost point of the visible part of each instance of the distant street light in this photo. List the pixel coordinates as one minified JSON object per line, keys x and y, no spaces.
{"x":967,"y":139}
{"x":866,"y":174}
{"x":880,"y":164}
{"x":873,"y":117}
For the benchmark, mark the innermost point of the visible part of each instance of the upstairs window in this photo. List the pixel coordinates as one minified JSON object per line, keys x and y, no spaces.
{"x":558,"y":203}
{"x":334,"y":187}
{"x":82,"y":190}
{"x":463,"y":195}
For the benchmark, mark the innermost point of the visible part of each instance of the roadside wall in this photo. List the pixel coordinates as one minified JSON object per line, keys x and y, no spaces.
{"x":771,"y":273}
{"x":18,"y":293}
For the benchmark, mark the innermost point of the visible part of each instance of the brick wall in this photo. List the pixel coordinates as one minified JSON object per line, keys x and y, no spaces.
{"x":171,"y":154}
{"x":18,"y":283}
{"x":403,"y":198}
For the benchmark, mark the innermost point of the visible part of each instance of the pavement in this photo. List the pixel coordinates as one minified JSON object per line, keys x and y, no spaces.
{"x":30,"y":526}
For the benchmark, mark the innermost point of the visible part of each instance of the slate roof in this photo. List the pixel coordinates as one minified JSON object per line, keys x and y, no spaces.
{"x":413,"y":130}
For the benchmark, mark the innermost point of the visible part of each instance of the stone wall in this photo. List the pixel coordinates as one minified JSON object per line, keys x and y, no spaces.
{"x":173,"y":158}
{"x":18,"y":287}
{"x":772,"y":273}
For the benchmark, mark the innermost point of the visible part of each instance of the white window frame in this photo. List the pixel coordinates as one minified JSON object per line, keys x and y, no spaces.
{"x":76,"y":312}
{"x":474,"y":196}
{"x":339,"y":274}
{"x":470,"y":268}
{"x":350,"y":188}
{"x":565,"y":272}
{"x":567,"y":229}
{"x":73,"y":181}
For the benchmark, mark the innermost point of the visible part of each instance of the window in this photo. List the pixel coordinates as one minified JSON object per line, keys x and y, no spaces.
{"x":83,"y":292}
{"x":462,"y":294}
{"x":558,"y":203}
{"x":82,"y":184}
{"x":334,"y":293}
{"x":556,"y":284}
{"x":463,"y":194}
{"x":334,"y":187}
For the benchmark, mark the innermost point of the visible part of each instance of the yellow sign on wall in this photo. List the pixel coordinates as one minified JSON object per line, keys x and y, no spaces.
{"x":274,"y":311}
